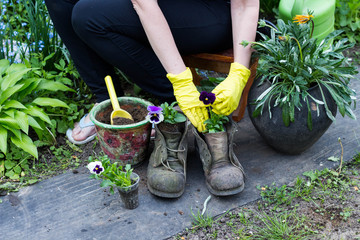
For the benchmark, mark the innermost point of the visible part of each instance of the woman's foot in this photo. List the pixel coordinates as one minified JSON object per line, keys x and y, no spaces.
{"x":83,"y":132}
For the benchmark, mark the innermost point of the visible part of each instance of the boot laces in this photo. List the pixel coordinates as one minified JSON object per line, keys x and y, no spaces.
{"x":166,"y":162}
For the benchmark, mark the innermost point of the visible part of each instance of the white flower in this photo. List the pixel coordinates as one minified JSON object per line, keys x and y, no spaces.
{"x":95,"y":167}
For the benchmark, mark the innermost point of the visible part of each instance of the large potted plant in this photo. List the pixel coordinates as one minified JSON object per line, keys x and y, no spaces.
{"x":300,"y":85}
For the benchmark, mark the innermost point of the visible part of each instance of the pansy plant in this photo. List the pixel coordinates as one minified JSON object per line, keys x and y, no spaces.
{"x":155,"y":115}
{"x":165,"y":113}
{"x":112,"y":174}
{"x":216,"y":122}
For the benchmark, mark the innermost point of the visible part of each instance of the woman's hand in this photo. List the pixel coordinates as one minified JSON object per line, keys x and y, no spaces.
{"x":187,"y":97}
{"x":228,"y":92}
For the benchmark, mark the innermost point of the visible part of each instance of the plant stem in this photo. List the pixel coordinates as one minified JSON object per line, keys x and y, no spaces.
{"x":312,"y":28}
{"x":341,"y":157}
{"x":301,"y":56}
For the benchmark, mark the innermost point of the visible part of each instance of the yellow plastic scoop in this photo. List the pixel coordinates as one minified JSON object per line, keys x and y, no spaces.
{"x":117,"y":111}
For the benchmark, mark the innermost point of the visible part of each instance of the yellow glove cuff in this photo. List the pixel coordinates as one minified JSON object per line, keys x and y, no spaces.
{"x":239,"y":69}
{"x":183,"y":77}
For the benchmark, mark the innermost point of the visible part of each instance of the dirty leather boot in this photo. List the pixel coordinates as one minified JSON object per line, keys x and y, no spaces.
{"x":166,"y":175}
{"x":223,"y":171}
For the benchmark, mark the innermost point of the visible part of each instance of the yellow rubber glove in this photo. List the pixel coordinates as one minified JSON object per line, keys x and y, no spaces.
{"x":228,"y":92}
{"x":187,"y":97}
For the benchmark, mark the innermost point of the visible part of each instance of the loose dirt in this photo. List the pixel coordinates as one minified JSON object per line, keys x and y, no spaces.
{"x":138,"y":112}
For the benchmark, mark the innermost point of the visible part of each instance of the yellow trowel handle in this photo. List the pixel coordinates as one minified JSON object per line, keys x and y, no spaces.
{"x":112,"y":93}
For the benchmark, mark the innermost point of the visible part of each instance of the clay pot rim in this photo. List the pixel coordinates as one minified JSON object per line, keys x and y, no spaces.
{"x":107,"y":102}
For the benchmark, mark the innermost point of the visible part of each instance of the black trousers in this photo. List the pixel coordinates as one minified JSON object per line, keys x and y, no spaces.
{"x":103,"y":34}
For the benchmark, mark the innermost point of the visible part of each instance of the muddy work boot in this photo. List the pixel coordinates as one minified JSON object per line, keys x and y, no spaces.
{"x":166,"y":171}
{"x":223,"y":171}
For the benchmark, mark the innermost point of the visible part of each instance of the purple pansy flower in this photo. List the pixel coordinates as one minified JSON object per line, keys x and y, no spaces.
{"x":95,"y":167}
{"x":207,"y":98}
{"x":155,"y":115}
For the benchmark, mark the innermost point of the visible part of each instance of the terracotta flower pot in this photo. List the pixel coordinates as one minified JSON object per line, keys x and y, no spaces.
{"x":128,"y":143}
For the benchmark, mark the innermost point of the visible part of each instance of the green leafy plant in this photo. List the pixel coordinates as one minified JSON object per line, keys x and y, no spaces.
{"x":165,"y":113}
{"x":269,"y":8}
{"x":347,"y":18}
{"x":79,"y":99}
{"x":284,"y":225}
{"x":25,"y":29}
{"x":112,"y":174}
{"x":201,"y":221}
{"x":216,"y":122}
{"x":170,"y":114}
{"x":21,"y":104}
{"x":293,"y":62}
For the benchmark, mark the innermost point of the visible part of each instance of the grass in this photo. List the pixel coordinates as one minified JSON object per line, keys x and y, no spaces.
{"x":312,"y":207}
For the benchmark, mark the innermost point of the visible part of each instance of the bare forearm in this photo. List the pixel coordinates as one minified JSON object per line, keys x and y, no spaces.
{"x":244,"y":14}
{"x":159,"y":35}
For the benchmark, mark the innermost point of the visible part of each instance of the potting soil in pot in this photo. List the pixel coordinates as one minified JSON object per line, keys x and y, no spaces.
{"x":125,"y":141}
{"x":137,"y":112}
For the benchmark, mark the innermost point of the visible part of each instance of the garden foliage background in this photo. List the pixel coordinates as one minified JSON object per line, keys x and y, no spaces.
{"x":42,"y":94}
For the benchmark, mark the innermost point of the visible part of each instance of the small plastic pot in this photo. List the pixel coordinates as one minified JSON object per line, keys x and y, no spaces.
{"x":130,"y":195}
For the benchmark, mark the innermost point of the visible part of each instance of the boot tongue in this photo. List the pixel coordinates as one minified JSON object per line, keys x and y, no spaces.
{"x":172,"y":140}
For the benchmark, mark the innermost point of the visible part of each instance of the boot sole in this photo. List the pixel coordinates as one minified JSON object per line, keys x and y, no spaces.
{"x":164,"y":194}
{"x":225,"y":192}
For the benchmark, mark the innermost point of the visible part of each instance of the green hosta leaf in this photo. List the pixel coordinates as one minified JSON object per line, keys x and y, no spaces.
{"x":28,"y":87}
{"x":22,"y":120}
{"x":5,"y":95}
{"x":33,"y":123}
{"x":13,"y":104}
{"x":10,"y":112}
{"x":37,"y":112}
{"x":3,"y":140}
{"x":10,"y":122}
{"x":53,"y":86}
{"x":16,"y":132}
{"x":4,"y":64}
{"x":14,"y":76}
{"x":26,"y":144}
{"x":50,"y":102}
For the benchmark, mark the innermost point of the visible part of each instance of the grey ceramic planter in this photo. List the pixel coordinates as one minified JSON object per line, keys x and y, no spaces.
{"x":297,"y":137}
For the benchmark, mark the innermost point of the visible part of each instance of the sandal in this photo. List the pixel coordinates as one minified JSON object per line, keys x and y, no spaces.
{"x":82,"y":125}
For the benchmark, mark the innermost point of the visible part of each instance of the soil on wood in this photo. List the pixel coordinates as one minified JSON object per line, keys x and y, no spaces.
{"x":138,"y":112}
